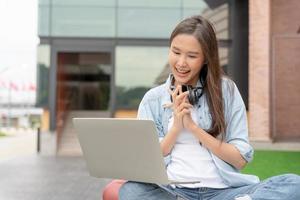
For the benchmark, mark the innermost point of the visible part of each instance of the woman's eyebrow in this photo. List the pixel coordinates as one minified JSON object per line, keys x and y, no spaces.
{"x":175,"y":48}
{"x":193,"y":52}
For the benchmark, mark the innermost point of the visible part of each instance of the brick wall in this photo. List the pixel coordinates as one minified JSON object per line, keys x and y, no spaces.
{"x":259,"y":70}
{"x":285,"y":72}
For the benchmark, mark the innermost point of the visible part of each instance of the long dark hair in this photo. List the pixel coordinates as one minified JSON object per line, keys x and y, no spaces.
{"x":211,"y":72}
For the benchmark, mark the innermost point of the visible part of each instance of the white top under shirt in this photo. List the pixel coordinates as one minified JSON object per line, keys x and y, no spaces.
{"x":190,"y":161}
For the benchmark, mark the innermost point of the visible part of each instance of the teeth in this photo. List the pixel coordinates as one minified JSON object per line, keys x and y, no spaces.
{"x":182,"y":71}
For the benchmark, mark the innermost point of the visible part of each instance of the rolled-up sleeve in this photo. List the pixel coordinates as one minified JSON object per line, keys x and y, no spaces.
{"x":237,"y":125}
{"x":237,"y":130}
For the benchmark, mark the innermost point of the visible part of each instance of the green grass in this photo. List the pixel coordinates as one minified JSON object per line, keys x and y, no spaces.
{"x":270,"y":163}
{"x":2,"y":134}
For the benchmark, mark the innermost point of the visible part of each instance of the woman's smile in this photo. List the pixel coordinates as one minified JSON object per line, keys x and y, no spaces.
{"x":182,"y":71}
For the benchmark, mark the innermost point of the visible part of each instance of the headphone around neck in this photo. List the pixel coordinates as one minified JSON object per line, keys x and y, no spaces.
{"x":194,"y":95}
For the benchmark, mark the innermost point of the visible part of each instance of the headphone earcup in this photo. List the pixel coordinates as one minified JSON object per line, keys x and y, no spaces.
{"x":194,"y":95}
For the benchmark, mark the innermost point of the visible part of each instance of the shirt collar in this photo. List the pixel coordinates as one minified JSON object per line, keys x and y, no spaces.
{"x":166,"y":100}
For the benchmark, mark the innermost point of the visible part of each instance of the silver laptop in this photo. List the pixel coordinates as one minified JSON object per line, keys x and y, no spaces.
{"x":122,"y":149}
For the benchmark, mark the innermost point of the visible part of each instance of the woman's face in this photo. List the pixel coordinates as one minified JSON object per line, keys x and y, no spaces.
{"x":186,"y":59}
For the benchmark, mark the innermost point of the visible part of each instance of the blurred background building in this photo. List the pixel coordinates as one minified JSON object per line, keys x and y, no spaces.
{"x":18,"y":96}
{"x":98,"y":58}
{"x":274,"y":70}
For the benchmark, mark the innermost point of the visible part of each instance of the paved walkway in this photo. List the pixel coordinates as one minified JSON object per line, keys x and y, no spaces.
{"x":28,"y":176}
{"x":18,"y":143}
{"x":48,"y":178}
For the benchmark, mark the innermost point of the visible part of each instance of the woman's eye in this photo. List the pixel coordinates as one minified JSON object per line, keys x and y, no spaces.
{"x":175,"y":52}
{"x":192,"y":56}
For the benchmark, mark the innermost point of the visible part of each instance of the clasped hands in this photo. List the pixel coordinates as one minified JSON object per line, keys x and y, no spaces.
{"x":182,"y":110}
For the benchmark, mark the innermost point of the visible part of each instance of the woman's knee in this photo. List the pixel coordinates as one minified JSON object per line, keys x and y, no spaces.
{"x":293,"y":178}
{"x":294,"y":181}
{"x":287,"y":179}
{"x":132,"y":190}
{"x":125,"y":190}
{"x":111,"y":190}
{"x":287,"y":184}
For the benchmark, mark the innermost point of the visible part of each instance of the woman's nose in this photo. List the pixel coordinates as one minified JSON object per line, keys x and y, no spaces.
{"x":181,"y":61}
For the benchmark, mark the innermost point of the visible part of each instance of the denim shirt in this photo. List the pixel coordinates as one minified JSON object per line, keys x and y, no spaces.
{"x":153,"y":107}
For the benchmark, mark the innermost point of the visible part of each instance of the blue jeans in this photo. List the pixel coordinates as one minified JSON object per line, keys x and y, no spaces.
{"x":283,"y":187}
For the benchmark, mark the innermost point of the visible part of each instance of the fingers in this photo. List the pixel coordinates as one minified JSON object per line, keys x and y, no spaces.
{"x":184,"y":105}
{"x":174,"y":93}
{"x":182,"y":113}
{"x":178,"y":96}
{"x":181,"y":106}
{"x":181,"y":98}
{"x":180,"y":89}
{"x":182,"y":109}
{"x":185,"y":111}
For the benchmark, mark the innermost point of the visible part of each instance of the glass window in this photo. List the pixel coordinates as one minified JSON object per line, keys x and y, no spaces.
{"x":43,"y":64}
{"x":152,"y":3}
{"x":83,"y":81}
{"x":87,"y":21}
{"x":137,"y":70}
{"x":195,"y":4}
{"x":85,"y":2}
{"x":187,"y":12}
{"x":44,"y":2}
{"x":93,"y":18}
{"x":43,"y":20}
{"x":147,"y":23}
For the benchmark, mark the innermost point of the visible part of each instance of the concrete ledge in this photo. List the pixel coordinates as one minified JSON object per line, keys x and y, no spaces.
{"x":277,"y":146}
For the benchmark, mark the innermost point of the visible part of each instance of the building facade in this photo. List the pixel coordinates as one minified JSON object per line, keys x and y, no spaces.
{"x":102,"y":56}
{"x":274,"y":70}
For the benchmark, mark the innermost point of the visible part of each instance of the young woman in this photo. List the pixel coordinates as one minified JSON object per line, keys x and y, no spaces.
{"x":203,"y":131}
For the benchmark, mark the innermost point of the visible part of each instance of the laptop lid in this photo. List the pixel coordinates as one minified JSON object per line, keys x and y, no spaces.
{"x":121,"y":148}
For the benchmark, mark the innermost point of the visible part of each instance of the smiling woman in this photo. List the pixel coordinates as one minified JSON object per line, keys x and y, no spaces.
{"x":205,"y":140}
